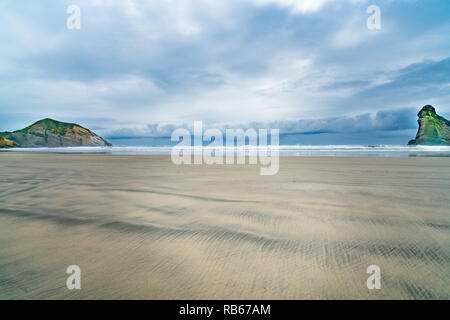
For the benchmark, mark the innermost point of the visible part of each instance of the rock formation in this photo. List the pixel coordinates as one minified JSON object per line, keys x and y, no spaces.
{"x":52,"y":133}
{"x":434,"y":130}
{"x":6,"y":143}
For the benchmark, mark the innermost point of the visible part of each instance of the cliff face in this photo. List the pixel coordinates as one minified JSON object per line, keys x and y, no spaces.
{"x":434,"y":130}
{"x":52,"y":133}
{"x":5,"y":143}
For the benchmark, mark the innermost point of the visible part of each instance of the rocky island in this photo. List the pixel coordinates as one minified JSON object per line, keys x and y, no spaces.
{"x":434,"y":130}
{"x":51,"y":133}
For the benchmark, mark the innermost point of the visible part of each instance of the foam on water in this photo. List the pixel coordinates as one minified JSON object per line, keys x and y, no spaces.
{"x":284,"y":150}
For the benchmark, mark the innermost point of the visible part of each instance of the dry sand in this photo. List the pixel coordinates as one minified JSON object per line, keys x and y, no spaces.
{"x":141,"y":227}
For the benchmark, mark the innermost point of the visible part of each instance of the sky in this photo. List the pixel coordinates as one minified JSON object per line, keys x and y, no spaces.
{"x":311,"y":68}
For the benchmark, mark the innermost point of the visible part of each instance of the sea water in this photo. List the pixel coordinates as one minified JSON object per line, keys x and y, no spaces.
{"x":284,"y":150}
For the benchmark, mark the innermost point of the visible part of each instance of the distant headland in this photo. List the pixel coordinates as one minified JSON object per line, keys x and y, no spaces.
{"x":51,"y":133}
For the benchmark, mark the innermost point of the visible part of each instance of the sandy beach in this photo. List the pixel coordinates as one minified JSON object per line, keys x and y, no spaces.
{"x":142,"y":227}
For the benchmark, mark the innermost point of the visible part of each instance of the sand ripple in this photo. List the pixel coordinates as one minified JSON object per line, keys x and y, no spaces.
{"x":141,"y":227}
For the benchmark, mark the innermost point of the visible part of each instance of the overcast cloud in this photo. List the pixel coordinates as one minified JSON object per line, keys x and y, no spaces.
{"x":142,"y":68}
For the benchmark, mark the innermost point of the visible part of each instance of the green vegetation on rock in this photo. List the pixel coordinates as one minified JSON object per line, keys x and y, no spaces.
{"x":50,"y":124}
{"x":52,"y":133}
{"x":433,"y":129}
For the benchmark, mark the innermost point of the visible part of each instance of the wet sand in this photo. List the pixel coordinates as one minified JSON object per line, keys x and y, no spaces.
{"x":141,"y":227}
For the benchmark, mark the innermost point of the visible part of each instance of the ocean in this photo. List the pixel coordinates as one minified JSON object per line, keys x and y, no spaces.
{"x":284,"y":150}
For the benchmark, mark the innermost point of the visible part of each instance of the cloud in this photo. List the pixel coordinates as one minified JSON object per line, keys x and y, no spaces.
{"x":384,"y":120}
{"x":224,"y":62}
{"x":297,"y":6}
{"x":418,"y":84}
